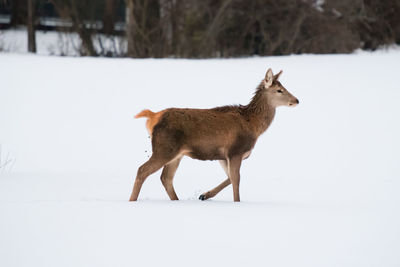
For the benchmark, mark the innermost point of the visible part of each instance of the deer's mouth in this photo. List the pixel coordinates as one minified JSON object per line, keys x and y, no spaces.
{"x":294,"y":103}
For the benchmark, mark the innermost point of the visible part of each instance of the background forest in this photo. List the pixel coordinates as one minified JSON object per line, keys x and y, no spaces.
{"x":209,"y":28}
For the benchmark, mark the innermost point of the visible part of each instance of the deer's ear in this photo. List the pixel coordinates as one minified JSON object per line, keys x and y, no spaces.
{"x":276,"y":76}
{"x":269,"y":78}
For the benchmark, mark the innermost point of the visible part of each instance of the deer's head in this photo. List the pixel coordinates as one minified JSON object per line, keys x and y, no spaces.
{"x":276,"y":93}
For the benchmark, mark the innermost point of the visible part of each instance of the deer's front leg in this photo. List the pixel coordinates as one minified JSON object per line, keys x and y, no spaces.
{"x":217,"y":189}
{"x":234,"y":164}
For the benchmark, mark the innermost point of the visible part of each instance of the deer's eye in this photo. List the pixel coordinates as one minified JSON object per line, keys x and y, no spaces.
{"x":279,"y":91}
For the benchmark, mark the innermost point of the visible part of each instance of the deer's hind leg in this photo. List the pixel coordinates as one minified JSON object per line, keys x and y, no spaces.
{"x":167,"y":177}
{"x":165,"y":150}
{"x":217,"y":189}
{"x":148,"y":168}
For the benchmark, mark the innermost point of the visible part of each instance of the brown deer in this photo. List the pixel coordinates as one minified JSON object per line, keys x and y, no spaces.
{"x":227,"y":134}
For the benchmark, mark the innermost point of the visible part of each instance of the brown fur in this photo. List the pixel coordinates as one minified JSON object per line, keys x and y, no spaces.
{"x":226,"y":133}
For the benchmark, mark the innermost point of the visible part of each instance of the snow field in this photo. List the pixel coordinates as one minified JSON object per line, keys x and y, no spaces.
{"x":321,"y":187}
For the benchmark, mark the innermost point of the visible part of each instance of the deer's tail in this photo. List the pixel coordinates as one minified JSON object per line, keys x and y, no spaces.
{"x":145,"y":113}
{"x":152,"y":118}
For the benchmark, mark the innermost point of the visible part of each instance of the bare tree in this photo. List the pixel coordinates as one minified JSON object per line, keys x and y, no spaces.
{"x":76,"y":11}
{"x":130,"y":27}
{"x":17,"y":12}
{"x":166,"y":7}
{"x":109,"y":16}
{"x":31,"y":27}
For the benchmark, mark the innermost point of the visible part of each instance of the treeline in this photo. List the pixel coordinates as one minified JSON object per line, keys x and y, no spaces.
{"x":221,"y":28}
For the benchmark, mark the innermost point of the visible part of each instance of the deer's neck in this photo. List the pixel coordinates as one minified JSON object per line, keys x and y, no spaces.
{"x":260,"y":112}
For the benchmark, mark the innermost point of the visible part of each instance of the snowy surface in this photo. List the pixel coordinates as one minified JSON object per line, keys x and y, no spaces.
{"x":321,"y":188}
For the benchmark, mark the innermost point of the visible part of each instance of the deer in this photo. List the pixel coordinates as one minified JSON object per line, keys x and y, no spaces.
{"x":227,"y":134}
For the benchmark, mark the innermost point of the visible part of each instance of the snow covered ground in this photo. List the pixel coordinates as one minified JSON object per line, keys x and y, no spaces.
{"x":321,"y":188}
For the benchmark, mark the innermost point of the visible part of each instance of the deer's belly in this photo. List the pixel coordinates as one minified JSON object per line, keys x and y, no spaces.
{"x":211,"y":154}
{"x":204,"y":153}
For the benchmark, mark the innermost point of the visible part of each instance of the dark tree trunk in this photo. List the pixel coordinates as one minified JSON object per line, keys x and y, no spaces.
{"x":109,"y":16}
{"x":17,"y":12}
{"x":166,"y":25}
{"x":130,"y":27}
{"x":31,"y":26}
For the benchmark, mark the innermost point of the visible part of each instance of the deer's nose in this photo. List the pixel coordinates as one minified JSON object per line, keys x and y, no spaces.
{"x":297,"y":101}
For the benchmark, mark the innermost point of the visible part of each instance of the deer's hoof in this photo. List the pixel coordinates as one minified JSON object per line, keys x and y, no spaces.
{"x":202,"y":197}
